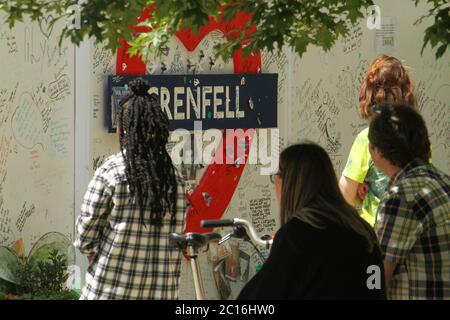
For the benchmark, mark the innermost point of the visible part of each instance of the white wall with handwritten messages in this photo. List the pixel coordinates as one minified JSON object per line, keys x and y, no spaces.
{"x":317,"y":100}
{"x":36,"y":133}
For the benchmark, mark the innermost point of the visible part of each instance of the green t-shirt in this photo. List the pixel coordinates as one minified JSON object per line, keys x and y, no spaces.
{"x":360,"y":168}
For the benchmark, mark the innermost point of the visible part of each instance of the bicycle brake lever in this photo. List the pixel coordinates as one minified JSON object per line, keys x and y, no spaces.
{"x":226,"y":238}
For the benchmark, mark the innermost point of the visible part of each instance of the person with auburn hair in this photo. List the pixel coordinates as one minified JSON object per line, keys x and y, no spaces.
{"x":323,"y":249}
{"x":413,"y":222}
{"x":361,"y":183}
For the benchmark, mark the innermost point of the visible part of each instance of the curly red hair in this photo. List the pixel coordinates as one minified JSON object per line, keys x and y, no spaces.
{"x":386,"y":81}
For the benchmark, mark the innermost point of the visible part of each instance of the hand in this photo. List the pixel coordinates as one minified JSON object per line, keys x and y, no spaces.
{"x":363,"y":188}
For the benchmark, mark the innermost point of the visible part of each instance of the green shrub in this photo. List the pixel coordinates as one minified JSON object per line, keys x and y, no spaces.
{"x":45,"y":280}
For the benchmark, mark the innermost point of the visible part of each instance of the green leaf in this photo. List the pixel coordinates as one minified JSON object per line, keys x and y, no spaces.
{"x":440,"y":51}
{"x":8,"y":263}
{"x":300,"y":45}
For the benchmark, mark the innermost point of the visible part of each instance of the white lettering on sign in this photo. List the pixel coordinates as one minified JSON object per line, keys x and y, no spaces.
{"x":201,"y":102}
{"x":178,"y":103}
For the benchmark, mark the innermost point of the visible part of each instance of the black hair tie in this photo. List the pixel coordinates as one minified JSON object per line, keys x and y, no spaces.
{"x":139,"y":87}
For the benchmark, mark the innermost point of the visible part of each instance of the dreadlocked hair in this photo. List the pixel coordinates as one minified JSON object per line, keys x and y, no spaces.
{"x":143,"y":132}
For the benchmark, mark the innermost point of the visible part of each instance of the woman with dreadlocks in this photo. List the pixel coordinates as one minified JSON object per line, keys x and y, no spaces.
{"x":134,"y":201}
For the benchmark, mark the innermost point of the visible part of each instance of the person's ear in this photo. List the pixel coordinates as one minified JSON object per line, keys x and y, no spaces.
{"x":372,"y":148}
{"x":376,"y":154}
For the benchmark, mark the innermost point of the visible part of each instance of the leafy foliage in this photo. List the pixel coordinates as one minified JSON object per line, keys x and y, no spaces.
{"x":438,"y":34}
{"x":278,"y":23}
{"x":105,"y":20}
{"x":44,"y":281}
{"x":296,"y":23}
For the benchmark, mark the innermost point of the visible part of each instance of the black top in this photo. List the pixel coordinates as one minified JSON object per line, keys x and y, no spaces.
{"x":310,"y":263}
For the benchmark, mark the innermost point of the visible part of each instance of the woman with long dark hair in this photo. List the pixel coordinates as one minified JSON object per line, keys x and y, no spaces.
{"x":324,"y":249}
{"x":135,"y":199}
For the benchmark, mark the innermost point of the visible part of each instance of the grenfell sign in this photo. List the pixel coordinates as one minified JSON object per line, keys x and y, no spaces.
{"x":219,"y":101}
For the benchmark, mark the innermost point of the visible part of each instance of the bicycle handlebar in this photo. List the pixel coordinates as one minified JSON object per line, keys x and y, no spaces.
{"x":251,"y":232}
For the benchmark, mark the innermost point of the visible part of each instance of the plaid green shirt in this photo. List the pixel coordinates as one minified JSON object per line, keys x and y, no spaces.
{"x":413,"y":226}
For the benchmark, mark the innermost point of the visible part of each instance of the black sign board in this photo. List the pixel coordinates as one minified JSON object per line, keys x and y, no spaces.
{"x":219,"y":101}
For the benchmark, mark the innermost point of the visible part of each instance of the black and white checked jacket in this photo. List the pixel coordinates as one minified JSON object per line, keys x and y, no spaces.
{"x":130,"y":260}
